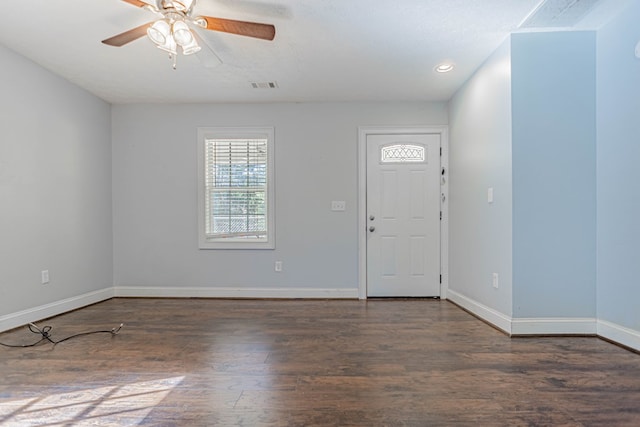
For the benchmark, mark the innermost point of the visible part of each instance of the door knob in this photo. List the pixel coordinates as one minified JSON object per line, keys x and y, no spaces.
{"x":372,"y":229}
{"x":371,"y":217}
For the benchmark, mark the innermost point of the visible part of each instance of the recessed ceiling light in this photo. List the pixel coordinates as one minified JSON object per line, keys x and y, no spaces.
{"x":444,"y":68}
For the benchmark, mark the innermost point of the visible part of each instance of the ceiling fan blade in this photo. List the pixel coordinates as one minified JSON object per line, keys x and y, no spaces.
{"x":128,"y":36}
{"x":242,"y":28}
{"x":137,"y":3}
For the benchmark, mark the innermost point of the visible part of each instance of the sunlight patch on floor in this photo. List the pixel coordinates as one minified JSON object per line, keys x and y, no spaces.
{"x":122,"y":405}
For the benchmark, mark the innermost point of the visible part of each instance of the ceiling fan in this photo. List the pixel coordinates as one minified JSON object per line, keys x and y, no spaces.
{"x":172,"y":31}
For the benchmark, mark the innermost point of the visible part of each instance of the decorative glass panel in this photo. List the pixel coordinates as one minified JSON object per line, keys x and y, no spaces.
{"x":400,"y":153}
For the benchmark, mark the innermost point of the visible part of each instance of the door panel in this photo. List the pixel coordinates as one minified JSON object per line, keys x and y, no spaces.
{"x":388,"y":255}
{"x":417,"y":255}
{"x":403,"y":215}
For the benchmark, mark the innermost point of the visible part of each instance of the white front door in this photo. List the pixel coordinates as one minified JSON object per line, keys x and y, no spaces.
{"x":403,"y":215}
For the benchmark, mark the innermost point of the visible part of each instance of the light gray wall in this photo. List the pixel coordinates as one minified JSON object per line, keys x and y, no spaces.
{"x":524,"y":124}
{"x":154,"y":187}
{"x":554,"y":174}
{"x":55,"y":187}
{"x":618,"y":172}
{"x":480,"y":157}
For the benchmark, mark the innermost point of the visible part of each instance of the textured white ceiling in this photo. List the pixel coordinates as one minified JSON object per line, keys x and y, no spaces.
{"x":324,"y":50}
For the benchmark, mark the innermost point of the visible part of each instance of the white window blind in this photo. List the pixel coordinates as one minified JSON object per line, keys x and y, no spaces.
{"x":236,"y":188}
{"x":235,"y":182}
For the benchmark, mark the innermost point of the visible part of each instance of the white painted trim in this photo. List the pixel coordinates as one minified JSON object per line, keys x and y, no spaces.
{"x":553,"y":326}
{"x":231,"y":292}
{"x":14,"y":320}
{"x":527,"y":326}
{"x":619,"y":334}
{"x":444,"y":206}
{"x":488,"y":314}
{"x":363,"y":131}
{"x":267,"y":132}
{"x":362,"y":211}
{"x":514,"y":327}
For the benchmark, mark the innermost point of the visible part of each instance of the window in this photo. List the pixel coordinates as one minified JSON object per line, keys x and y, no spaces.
{"x":236,"y":194}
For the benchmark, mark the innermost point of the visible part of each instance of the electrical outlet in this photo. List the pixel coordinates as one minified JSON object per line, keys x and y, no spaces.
{"x":495,"y":280}
{"x":45,"y":276}
{"x":278,"y":266}
{"x":490,"y":195}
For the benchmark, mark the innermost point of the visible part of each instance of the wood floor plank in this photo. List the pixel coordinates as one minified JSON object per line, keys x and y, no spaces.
{"x":206,"y":362}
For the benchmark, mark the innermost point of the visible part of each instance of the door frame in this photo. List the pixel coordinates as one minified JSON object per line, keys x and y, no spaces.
{"x":363,"y":133}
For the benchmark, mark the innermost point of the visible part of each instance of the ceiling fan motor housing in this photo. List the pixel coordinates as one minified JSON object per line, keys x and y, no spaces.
{"x":184,"y":6}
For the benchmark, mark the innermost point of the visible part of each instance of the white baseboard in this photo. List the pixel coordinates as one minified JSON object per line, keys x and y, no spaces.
{"x":20,"y":318}
{"x":488,"y":314}
{"x":619,"y":334}
{"x":229,"y":292}
{"x":553,"y":326}
{"x":518,"y":326}
{"x":525,"y":326}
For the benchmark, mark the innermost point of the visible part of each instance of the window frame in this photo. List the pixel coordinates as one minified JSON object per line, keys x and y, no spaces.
{"x":205,"y":133}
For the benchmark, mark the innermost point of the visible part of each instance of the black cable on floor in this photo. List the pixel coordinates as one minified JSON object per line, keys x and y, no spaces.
{"x":45,"y":334}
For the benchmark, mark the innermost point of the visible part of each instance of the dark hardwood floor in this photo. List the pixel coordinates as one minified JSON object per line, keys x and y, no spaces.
{"x":199,"y":362}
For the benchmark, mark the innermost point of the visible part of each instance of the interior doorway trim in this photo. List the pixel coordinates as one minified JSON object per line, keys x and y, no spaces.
{"x":363,"y":132}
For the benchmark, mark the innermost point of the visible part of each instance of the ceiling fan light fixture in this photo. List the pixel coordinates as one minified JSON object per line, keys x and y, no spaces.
{"x":169,"y":46}
{"x":191,"y":48}
{"x":159,"y":32}
{"x":182,"y":33}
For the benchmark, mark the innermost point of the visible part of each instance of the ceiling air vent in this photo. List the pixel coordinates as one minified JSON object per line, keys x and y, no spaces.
{"x":559,"y":13}
{"x":264,"y":85}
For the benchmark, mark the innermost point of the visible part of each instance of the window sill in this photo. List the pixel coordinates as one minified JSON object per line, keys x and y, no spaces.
{"x":205,"y":245}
